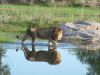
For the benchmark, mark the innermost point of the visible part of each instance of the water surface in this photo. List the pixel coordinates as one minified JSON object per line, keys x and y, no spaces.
{"x":73,"y":61}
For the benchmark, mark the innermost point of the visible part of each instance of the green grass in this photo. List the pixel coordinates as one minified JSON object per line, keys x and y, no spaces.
{"x":7,"y":37}
{"x":20,"y":16}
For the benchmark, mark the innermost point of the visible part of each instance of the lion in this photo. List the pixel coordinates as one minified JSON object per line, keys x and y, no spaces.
{"x":51,"y":56}
{"x":53,"y":34}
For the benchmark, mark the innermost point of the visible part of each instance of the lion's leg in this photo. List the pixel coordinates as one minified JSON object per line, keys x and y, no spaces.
{"x":25,"y":38}
{"x":27,"y":34}
{"x":50,"y":42}
{"x":29,"y":54}
{"x":33,"y":50}
{"x":33,"y":37}
{"x":26,"y":51}
{"x":55,"y":43}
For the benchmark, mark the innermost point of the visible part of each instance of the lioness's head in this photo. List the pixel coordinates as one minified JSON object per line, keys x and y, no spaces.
{"x":57,"y":33}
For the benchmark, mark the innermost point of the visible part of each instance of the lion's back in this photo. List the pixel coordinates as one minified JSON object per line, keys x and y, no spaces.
{"x":43,"y":33}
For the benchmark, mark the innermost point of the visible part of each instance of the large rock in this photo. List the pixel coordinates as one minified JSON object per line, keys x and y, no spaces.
{"x":84,"y":30}
{"x":88,"y":45}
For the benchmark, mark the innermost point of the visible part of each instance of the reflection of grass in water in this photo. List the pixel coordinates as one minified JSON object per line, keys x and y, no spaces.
{"x":7,"y":37}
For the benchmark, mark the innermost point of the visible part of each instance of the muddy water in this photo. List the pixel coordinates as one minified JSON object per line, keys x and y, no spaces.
{"x":42,"y":59}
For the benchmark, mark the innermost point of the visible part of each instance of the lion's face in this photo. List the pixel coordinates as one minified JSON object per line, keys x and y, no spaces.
{"x":57,"y":35}
{"x":55,"y":58}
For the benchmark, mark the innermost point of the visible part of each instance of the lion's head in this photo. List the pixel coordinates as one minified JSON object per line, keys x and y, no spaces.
{"x":55,"y":58}
{"x":57,"y":33}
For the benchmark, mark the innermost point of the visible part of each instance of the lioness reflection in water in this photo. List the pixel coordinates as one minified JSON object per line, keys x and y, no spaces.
{"x":51,"y":56}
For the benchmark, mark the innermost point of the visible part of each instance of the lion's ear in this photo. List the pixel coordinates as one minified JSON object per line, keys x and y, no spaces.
{"x":59,"y":30}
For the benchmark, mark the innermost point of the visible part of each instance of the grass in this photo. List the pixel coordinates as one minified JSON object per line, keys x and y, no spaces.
{"x":7,"y":37}
{"x":19,"y":17}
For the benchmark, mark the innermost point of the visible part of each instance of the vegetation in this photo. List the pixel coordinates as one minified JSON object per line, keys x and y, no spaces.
{"x":78,"y":3}
{"x":7,"y":37}
{"x":90,"y":58}
{"x":19,"y":17}
{"x":4,"y":68}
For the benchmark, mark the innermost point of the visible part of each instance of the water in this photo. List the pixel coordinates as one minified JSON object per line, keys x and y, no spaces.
{"x":39,"y":61}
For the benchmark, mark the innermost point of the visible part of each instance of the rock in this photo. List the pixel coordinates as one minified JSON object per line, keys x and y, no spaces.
{"x":82,"y":22}
{"x":88,"y":35}
{"x":88,"y":46}
{"x":84,"y":30}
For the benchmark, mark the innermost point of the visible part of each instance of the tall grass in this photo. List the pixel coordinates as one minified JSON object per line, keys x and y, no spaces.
{"x":7,"y":37}
{"x":42,"y":16}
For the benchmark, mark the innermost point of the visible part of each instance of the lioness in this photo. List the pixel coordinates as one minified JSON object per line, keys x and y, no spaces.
{"x":53,"y":34}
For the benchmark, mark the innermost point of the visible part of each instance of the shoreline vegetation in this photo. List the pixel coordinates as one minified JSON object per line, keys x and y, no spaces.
{"x":19,"y":17}
{"x":16,"y":18}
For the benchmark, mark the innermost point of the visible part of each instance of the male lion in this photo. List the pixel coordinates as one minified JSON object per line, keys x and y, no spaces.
{"x":53,"y":34}
{"x":51,"y":56}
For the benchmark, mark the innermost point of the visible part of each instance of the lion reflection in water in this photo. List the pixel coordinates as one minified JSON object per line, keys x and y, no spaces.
{"x":51,"y":56}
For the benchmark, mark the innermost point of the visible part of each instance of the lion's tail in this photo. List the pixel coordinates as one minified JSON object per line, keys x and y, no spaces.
{"x":17,"y":36}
